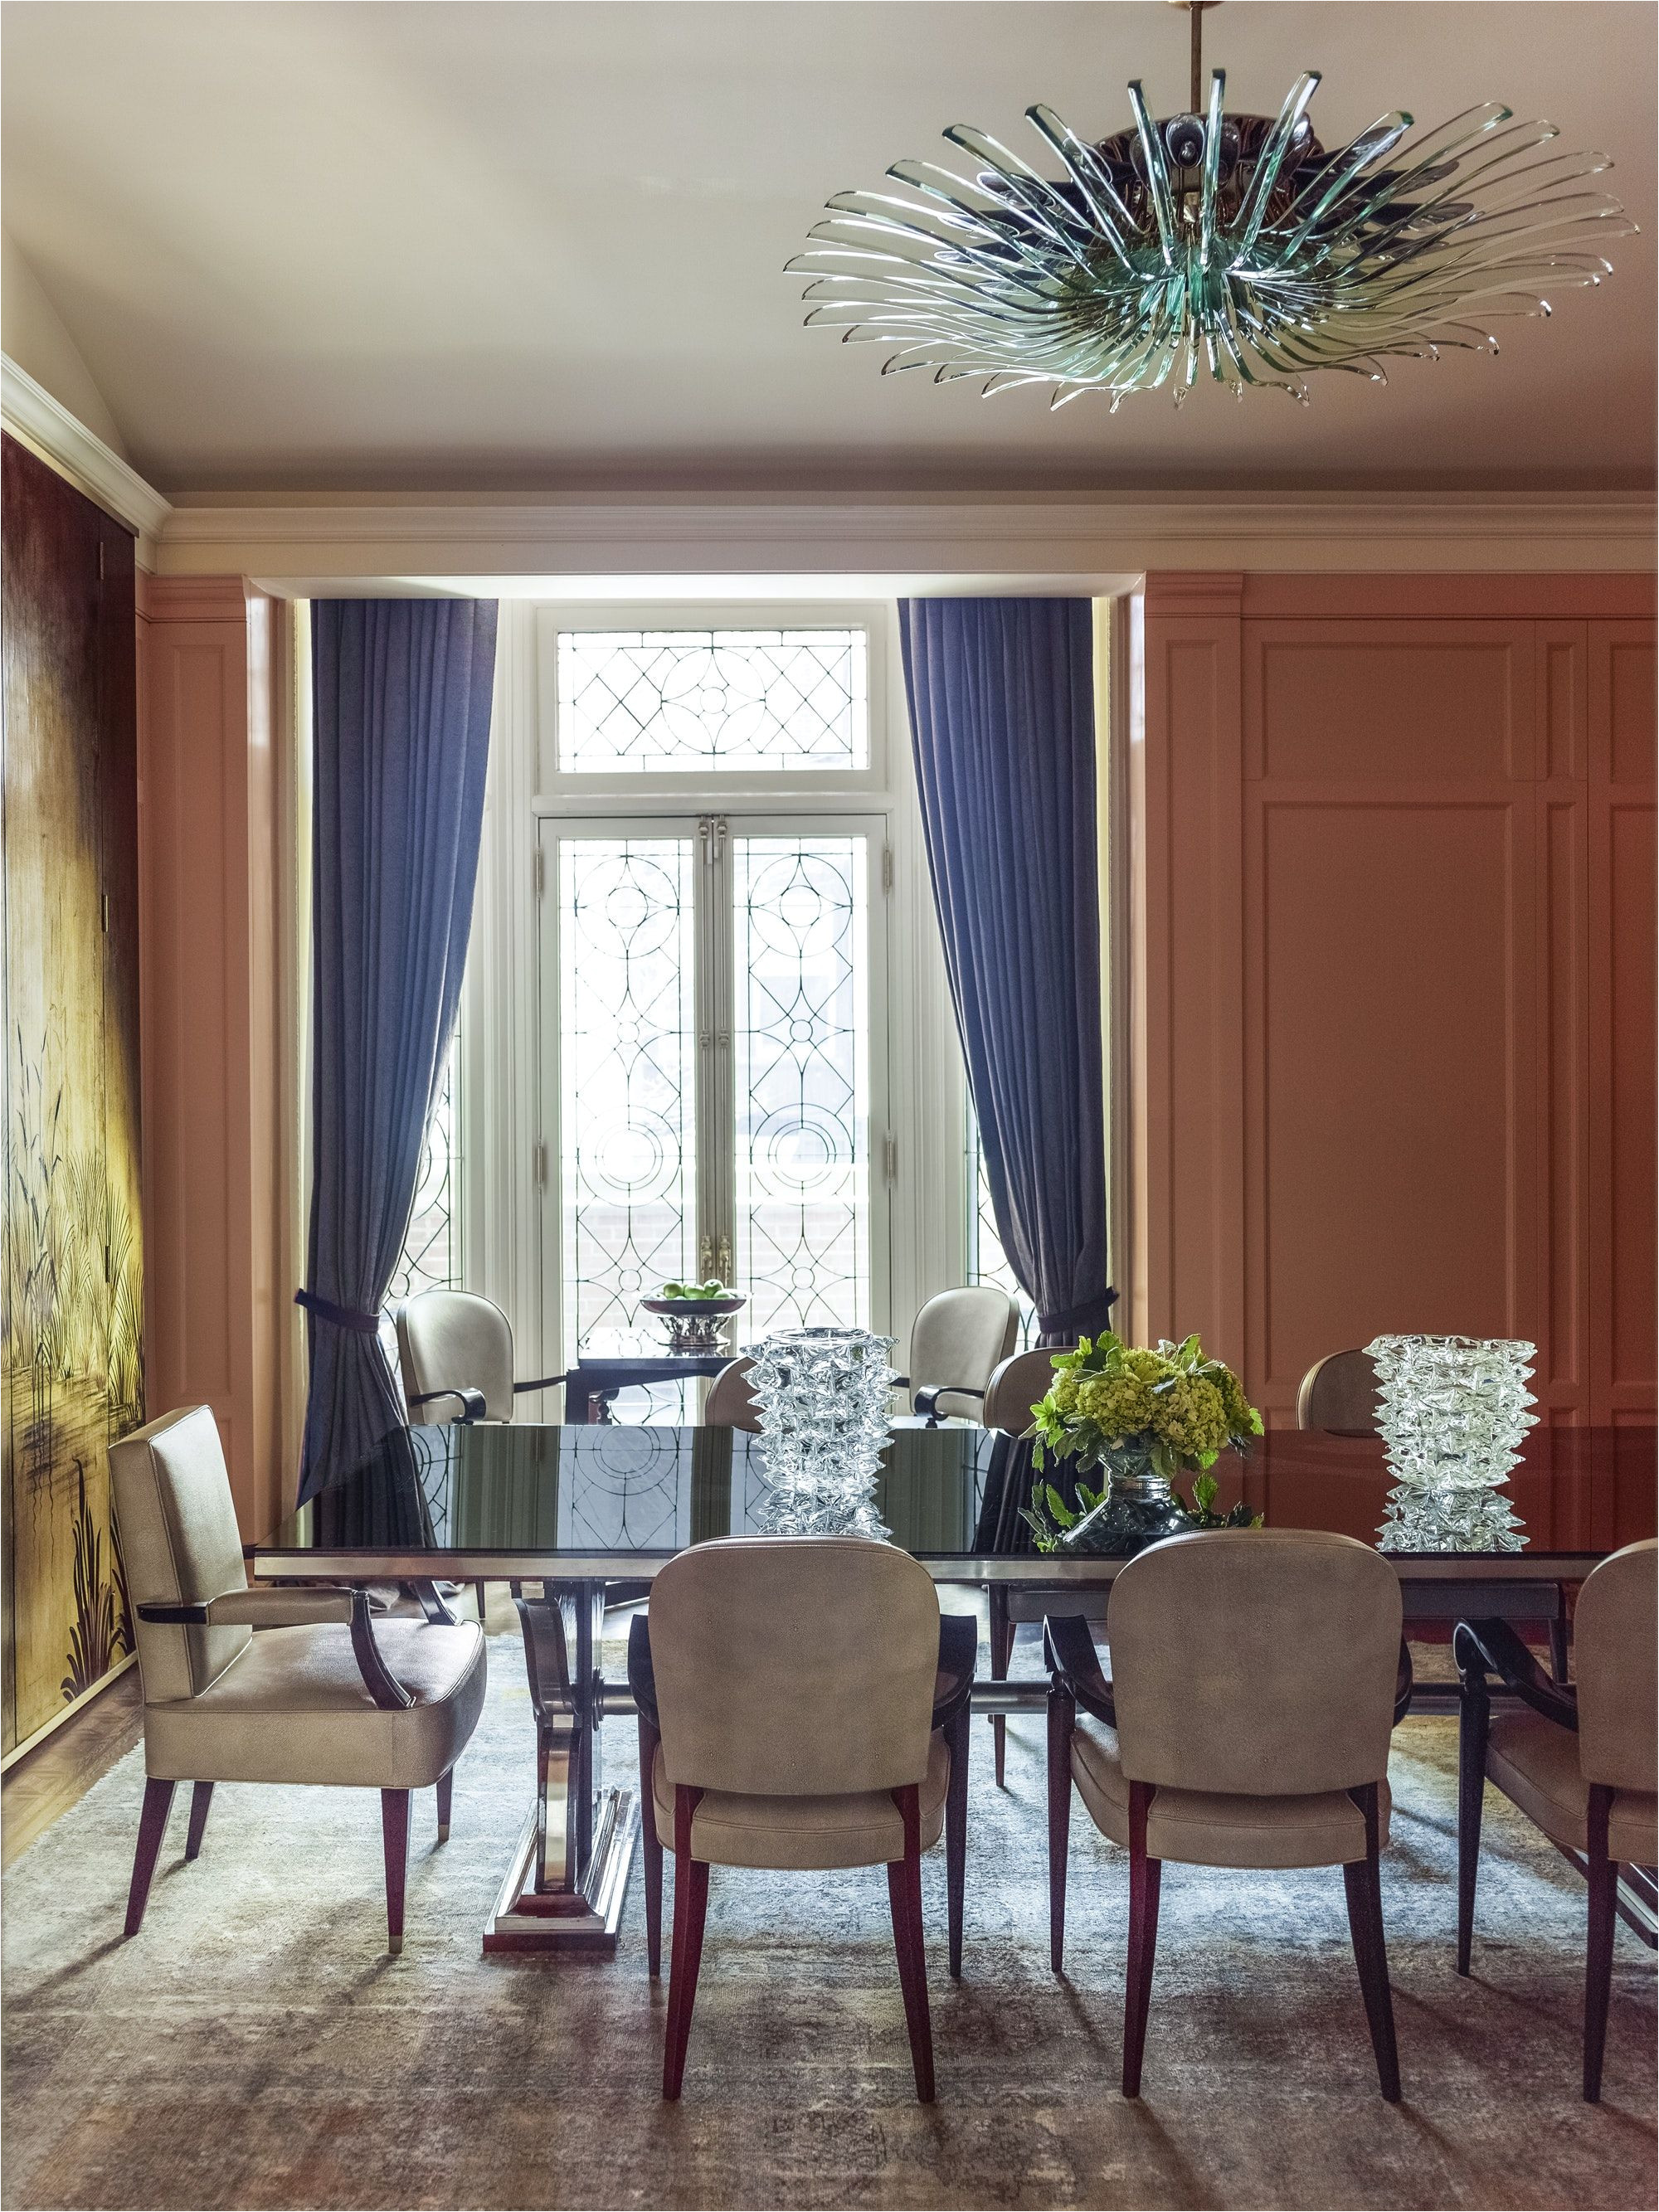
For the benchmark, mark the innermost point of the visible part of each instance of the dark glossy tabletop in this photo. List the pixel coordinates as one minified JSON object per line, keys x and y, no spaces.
{"x":520,"y":1499}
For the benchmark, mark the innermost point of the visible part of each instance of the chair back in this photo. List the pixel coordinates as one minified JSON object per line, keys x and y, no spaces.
{"x":1615,"y":1637}
{"x":451,"y":1340}
{"x":179,"y":1546}
{"x":1339,"y":1393}
{"x":794,"y":1665}
{"x":1017,"y":1385}
{"x":730,"y":1404}
{"x":958,"y":1338}
{"x":1257,"y":1661}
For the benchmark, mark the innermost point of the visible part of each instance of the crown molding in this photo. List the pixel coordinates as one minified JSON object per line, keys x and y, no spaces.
{"x":46,"y":426}
{"x":1066,"y":535}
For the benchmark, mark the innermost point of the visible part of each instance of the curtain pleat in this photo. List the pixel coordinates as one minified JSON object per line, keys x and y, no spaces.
{"x":401,"y":691}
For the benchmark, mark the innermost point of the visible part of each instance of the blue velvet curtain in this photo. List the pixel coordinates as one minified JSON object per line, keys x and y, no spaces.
{"x":401,"y":697}
{"x":1001,"y":696}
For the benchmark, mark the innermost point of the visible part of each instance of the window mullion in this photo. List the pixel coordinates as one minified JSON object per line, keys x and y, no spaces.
{"x":716,"y":1138}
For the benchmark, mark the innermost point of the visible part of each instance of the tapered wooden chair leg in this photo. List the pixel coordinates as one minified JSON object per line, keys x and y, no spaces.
{"x":394,"y":1838}
{"x":1362,"y":1880}
{"x":1603,"y":1874}
{"x":904,"y":1898}
{"x":152,"y":1827}
{"x":1145,"y":1876}
{"x":690,"y":1911}
{"x":956,"y":1837}
{"x":1062,"y":1714}
{"x":201,"y":1798}
{"x":446,"y":1803}
{"x":1474,"y":1718}
{"x":1002,"y":1652}
{"x":650,"y":1850}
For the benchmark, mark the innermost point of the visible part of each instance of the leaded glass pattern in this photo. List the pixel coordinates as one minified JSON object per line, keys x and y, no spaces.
{"x":644,"y":701}
{"x":431,"y":1257}
{"x":628,"y":1037}
{"x":801,"y":1076}
{"x":986,"y":1260}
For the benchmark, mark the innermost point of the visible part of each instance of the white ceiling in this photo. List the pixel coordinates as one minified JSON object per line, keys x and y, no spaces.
{"x":466,"y":245}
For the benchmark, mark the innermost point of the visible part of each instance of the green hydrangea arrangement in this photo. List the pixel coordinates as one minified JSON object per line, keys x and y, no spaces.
{"x":1164,"y":1412}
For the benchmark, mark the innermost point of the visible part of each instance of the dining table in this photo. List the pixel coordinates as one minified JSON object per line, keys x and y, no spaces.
{"x":574,"y":1517}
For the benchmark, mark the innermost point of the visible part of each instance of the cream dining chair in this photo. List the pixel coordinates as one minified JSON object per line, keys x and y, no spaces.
{"x":1279,"y":1758}
{"x":1581,"y":1762}
{"x":322,"y":1694}
{"x":455,"y":1358}
{"x":1014,"y":1389}
{"x":1338,"y":1392}
{"x":802,"y":1706}
{"x":730,"y":1404}
{"x":955,"y":1340}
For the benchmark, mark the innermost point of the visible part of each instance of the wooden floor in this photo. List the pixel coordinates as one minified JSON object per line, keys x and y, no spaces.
{"x":52,"y":1778}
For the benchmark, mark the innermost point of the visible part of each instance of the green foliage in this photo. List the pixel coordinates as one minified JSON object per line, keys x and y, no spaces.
{"x":100,"y":1635}
{"x":1166,"y":1412}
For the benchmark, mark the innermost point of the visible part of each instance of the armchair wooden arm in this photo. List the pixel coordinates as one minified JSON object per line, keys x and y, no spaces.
{"x":542,"y":1382}
{"x":1492,"y":1648}
{"x":925,"y":1401}
{"x":1074,"y":1666}
{"x":473,"y":1404}
{"x":272,"y":1609}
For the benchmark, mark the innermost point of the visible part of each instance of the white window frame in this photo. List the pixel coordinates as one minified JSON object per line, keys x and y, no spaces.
{"x":510,"y":1199}
{"x":706,"y":788}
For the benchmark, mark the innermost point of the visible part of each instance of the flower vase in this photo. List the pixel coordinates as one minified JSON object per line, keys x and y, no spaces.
{"x":1139,"y":1508}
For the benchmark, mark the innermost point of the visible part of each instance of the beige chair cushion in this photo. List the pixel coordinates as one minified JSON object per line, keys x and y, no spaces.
{"x":1017,"y":1385}
{"x":959,"y":1337}
{"x":179,"y":1545}
{"x":294,"y":1708}
{"x":794,"y":1665}
{"x":1615,"y":1641}
{"x":451,"y":1340}
{"x":864,"y":1828}
{"x":1205,"y":1827}
{"x":1535,"y":1762}
{"x":1338,"y":1392}
{"x":730,"y":1404}
{"x":1256,"y":1662}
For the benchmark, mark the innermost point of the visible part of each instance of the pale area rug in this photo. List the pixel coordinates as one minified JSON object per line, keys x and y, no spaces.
{"x":254,"y":2045}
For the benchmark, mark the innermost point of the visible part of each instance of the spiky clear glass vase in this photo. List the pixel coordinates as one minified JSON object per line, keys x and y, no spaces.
{"x":824,"y":1395}
{"x":1453,"y":1412}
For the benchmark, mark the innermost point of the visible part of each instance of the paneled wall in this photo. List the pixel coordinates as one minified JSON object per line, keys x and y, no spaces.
{"x":1398,"y":951}
{"x":208,"y":840}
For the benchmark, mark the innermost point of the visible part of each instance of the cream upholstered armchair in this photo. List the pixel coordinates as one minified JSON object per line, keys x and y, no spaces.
{"x":730,"y":1404}
{"x":1281,"y":1761}
{"x":455,"y":1358}
{"x":802,"y":1706}
{"x":322,"y":1694}
{"x":1015,"y":1387}
{"x":1338,"y":1392}
{"x":955,"y":1340}
{"x":1581,"y":1763}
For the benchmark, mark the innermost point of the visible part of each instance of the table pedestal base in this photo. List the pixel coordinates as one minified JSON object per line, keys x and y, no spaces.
{"x":569,"y":1877}
{"x":586,"y":1918}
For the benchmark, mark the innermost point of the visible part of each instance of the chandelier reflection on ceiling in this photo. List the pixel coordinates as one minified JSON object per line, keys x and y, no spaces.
{"x":1231,"y":246}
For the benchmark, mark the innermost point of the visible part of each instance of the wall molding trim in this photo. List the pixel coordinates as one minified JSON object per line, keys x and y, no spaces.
{"x":47,"y":429}
{"x":1086,"y":537}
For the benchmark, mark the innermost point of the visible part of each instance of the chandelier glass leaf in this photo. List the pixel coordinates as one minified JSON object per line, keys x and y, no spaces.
{"x":1207,"y":245}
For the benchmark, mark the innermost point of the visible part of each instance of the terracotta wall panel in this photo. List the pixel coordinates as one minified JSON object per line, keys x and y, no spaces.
{"x":1417,"y":702}
{"x":1390,"y":1112}
{"x":1406,"y":891}
{"x":208,"y":1038}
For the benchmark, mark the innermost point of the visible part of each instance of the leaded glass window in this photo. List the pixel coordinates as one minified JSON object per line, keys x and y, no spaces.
{"x":800,"y":1046}
{"x":986,"y":1260}
{"x":636,"y":703}
{"x":431,"y":1257}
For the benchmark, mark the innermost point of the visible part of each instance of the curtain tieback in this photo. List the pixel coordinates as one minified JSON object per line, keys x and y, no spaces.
{"x":1072,"y":1321}
{"x":341,"y":1317}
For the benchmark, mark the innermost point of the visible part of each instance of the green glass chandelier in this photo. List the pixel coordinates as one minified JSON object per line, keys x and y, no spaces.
{"x":1209,"y":244}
